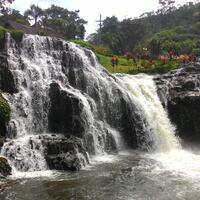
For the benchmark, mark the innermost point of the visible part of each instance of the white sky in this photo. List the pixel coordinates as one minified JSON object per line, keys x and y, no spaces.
{"x":90,"y":10}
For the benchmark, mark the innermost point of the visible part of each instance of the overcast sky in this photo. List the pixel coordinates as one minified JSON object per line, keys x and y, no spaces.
{"x":90,"y":10}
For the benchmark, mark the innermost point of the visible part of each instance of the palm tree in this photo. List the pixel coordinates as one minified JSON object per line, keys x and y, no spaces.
{"x":34,"y":13}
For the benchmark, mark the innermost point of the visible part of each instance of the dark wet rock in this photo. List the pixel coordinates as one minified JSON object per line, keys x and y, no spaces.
{"x":7,"y":83}
{"x":5,"y":168}
{"x":64,"y":153}
{"x":180,"y":94}
{"x":65,"y":114}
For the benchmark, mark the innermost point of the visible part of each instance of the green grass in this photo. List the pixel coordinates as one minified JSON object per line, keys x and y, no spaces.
{"x":124,"y":66}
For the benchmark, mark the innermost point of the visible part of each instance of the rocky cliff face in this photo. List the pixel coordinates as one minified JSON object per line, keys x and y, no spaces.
{"x":179,"y":91}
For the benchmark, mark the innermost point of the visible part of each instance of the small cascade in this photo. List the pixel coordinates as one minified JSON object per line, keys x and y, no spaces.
{"x":160,"y":133}
{"x":26,"y":153}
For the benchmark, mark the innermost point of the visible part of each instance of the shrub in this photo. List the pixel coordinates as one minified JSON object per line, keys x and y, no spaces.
{"x":196,"y":51}
{"x":102,"y":50}
{"x":41,"y":33}
{"x":17,"y":35}
{"x":84,"y":44}
{"x":2,"y":36}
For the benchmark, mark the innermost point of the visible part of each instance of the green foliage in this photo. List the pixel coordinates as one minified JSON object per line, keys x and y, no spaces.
{"x":124,"y":65}
{"x":102,"y":50}
{"x":13,"y":16}
{"x":155,"y":47}
{"x":196,"y":51}
{"x":4,"y":6}
{"x":34,"y":13}
{"x":66,"y":23}
{"x":84,"y":44}
{"x":4,"y":110}
{"x":17,"y":35}
{"x":2,"y":36}
{"x":165,"y":30}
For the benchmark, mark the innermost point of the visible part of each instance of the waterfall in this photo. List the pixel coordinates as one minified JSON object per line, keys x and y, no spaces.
{"x":67,"y":105}
{"x":35,"y":66}
{"x":158,"y":127}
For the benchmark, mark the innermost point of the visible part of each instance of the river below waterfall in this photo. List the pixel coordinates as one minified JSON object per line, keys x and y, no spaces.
{"x":128,"y":176}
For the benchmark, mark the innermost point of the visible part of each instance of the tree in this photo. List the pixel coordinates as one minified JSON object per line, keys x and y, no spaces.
{"x":155,"y":48}
{"x":67,"y":23}
{"x":166,"y":6}
{"x":34,"y":13}
{"x":14,"y":15}
{"x":3,"y":6}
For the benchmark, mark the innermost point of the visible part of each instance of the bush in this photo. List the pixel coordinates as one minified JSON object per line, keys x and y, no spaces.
{"x":2,"y":36}
{"x":84,"y":44}
{"x":41,"y":33}
{"x":102,"y":50}
{"x":17,"y":35}
{"x":196,"y":51}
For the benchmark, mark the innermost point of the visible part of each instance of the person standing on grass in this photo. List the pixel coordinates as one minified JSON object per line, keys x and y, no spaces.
{"x":116,"y":61}
{"x":113,"y":61}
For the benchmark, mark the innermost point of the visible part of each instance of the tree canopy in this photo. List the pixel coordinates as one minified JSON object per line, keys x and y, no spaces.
{"x":166,"y":29}
{"x":3,"y":5}
{"x":61,"y":20}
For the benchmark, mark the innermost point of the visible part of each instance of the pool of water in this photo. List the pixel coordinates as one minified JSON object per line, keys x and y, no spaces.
{"x":128,"y":176}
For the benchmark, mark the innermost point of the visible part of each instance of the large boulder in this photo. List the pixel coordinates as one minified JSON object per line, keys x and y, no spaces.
{"x":65,"y":112}
{"x":64,"y":153}
{"x":179,"y":91}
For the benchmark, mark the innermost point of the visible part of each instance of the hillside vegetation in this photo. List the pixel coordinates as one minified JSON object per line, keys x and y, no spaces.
{"x":154,"y":33}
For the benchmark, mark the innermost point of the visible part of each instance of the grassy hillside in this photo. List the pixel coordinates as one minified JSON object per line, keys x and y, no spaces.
{"x":128,"y":66}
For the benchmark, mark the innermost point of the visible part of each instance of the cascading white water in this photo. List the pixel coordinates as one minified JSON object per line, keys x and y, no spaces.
{"x":108,"y":102}
{"x":34,"y":69}
{"x":158,"y":128}
{"x":168,"y":151}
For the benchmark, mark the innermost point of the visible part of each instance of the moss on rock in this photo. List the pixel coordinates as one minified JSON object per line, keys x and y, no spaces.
{"x":5,"y":168}
{"x":4,"y":110}
{"x":4,"y":115}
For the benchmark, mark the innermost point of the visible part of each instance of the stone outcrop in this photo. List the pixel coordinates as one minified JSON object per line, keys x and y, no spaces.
{"x":64,"y":153}
{"x":65,"y":112}
{"x":179,"y":91}
{"x":7,"y":83}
